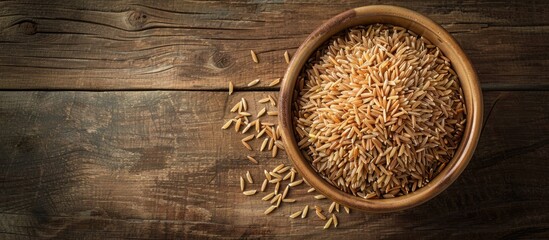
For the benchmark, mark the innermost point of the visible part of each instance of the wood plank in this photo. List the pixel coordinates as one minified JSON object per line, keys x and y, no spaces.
{"x":150,"y":165}
{"x":106,"y":44}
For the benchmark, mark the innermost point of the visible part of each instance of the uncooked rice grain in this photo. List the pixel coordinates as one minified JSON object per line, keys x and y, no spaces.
{"x":252,"y":159}
{"x":285,"y":191}
{"x":254,"y":82}
{"x":296,"y":214}
{"x":264,"y":144}
{"x":267,"y":175}
{"x":275,"y":151}
{"x":254,"y":56}
{"x":249,"y":177}
{"x":287,"y":176}
{"x":264,"y":185}
{"x":332,"y":207}
{"x":274,"y":82}
{"x":227,"y":124}
{"x":305,"y":211}
{"x":246,"y":145}
{"x":236,"y":107}
{"x":244,"y":104}
{"x":237,"y":125}
{"x":249,"y":192}
{"x":268,"y":196}
{"x":328,"y":223}
{"x":295,"y":183}
{"x":242,"y":184}
{"x":261,"y":112}
{"x":264,"y":100}
{"x":320,"y":196}
{"x":248,"y":138}
{"x":270,"y":209}
{"x":280,"y":166}
{"x":320,"y":215}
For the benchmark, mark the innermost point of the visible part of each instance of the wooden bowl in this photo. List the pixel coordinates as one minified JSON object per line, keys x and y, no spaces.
{"x":438,"y":36}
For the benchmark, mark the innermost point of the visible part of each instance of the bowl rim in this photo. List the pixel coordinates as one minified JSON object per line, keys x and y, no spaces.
{"x":423,"y":26}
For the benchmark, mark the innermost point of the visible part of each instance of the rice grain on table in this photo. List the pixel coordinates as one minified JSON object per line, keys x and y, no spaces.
{"x":254,"y":56}
{"x":248,"y":126}
{"x":252,"y":159}
{"x":287,"y":176}
{"x":272,"y":100}
{"x":264,"y":144}
{"x":320,"y":196}
{"x":246,"y":145}
{"x":242,"y":184}
{"x":292,"y":176}
{"x":320,"y":215}
{"x":305,"y":211}
{"x":287,"y":57}
{"x":264,"y":185}
{"x":277,"y":187}
{"x":264,"y":100}
{"x":332,"y":207}
{"x":268,"y":196}
{"x":236,"y":107}
{"x":249,"y":177}
{"x":334,"y":217}
{"x":283,"y":170}
{"x":270,"y":209}
{"x":279,"y":200}
{"x":280,"y":166}
{"x":254,"y":82}
{"x":295,"y":183}
{"x":275,"y":82}
{"x":347,"y":210}
{"x":296,"y":214}
{"x":261,"y":112}
{"x":328,"y":223}
{"x":285,"y":191}
{"x":248,"y":138}
{"x":244,"y":104}
{"x":231,"y":87}
{"x":276,"y":197}
{"x":267,"y":175}
{"x":275,"y":151}
{"x":378,"y":111}
{"x":237,"y":125}
{"x":227,"y":124}
{"x":249,"y":192}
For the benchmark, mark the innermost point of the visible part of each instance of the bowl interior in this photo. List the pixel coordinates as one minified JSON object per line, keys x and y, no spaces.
{"x":438,"y":36}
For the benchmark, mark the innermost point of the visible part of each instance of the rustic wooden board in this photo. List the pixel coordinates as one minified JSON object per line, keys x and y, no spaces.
{"x":97,"y":165}
{"x":201,"y":45}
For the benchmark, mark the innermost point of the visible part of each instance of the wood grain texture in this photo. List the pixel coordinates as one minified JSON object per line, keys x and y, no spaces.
{"x":106,"y":45}
{"x":98,"y":165}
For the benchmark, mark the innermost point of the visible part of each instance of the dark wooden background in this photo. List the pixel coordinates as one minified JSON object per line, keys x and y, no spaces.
{"x":110,"y":115}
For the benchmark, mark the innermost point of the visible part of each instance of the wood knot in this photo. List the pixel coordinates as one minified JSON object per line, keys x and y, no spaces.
{"x":220,"y":60}
{"x":27,"y":27}
{"x":137,"y":19}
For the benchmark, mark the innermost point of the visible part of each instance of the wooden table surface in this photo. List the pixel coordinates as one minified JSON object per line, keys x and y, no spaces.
{"x":110,"y":115}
